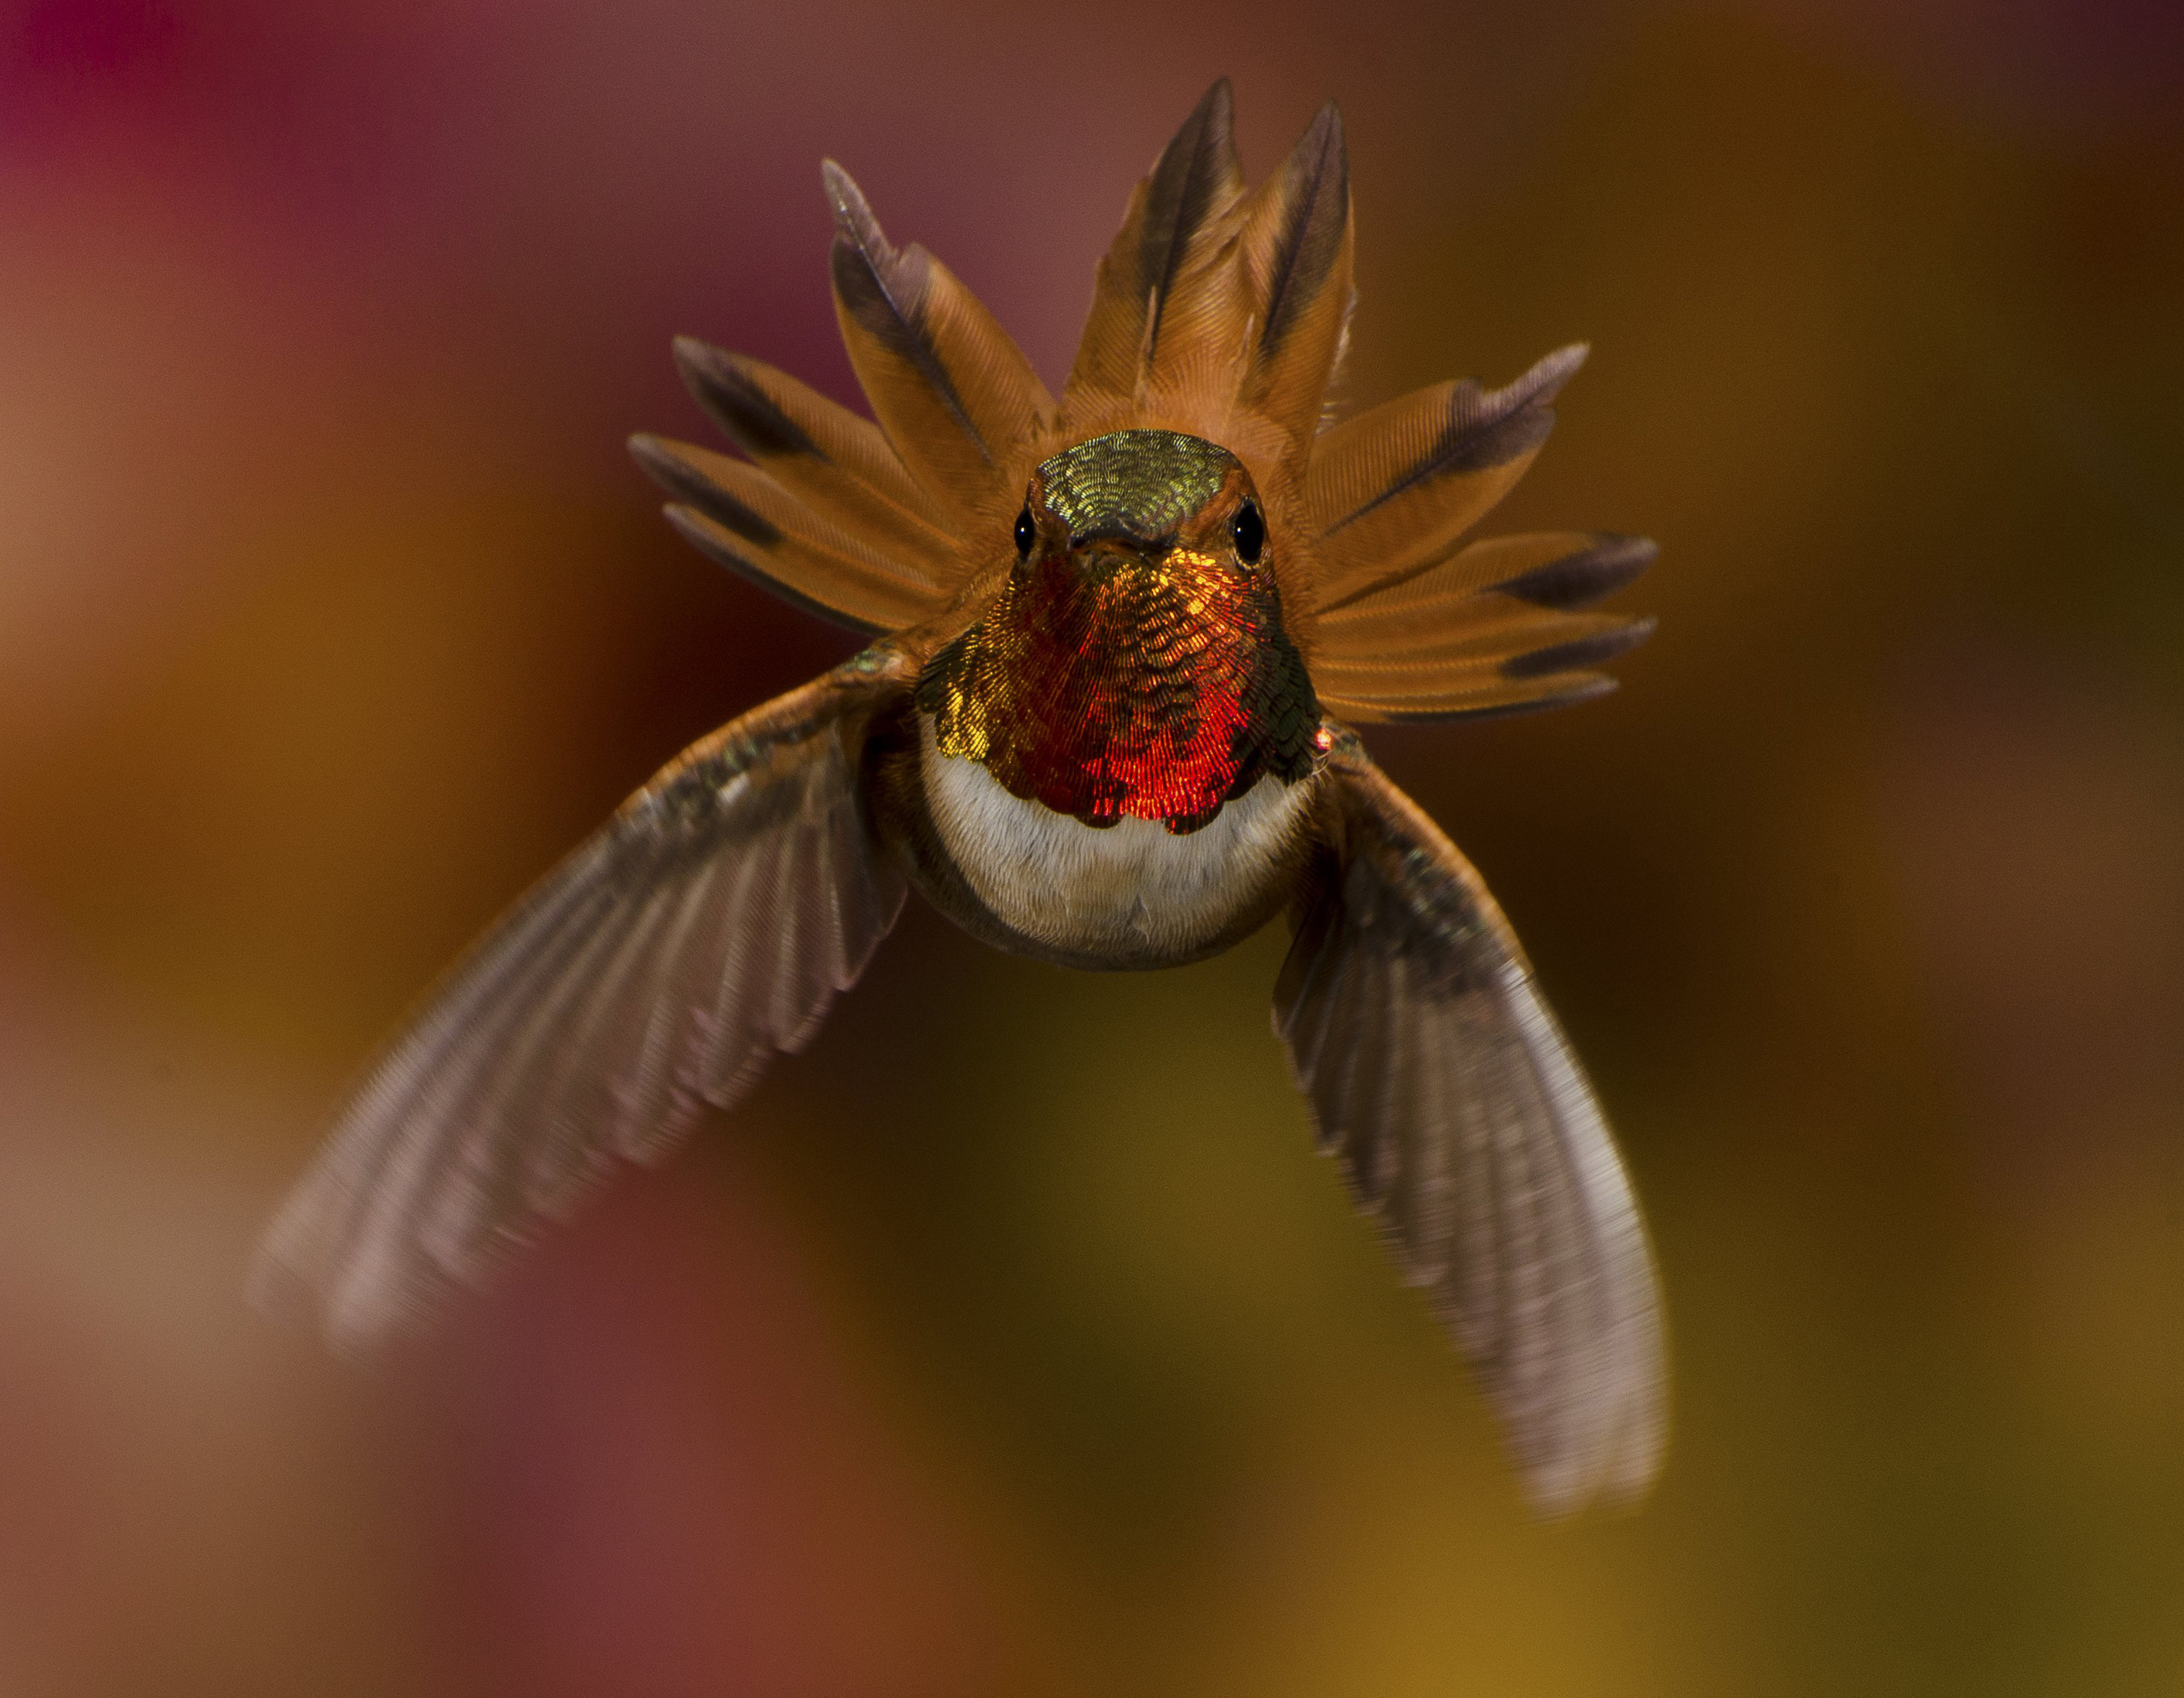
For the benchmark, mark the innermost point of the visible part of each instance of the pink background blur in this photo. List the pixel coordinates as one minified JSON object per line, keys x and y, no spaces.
{"x":1013,"y":1341}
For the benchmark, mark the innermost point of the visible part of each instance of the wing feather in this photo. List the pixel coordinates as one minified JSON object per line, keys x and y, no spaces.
{"x":706,"y":926}
{"x":1416,"y":1201}
{"x":453,"y":1193}
{"x":1449,"y":1095}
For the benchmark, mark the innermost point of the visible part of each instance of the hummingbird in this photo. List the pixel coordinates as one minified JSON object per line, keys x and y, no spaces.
{"x":1119,"y":642}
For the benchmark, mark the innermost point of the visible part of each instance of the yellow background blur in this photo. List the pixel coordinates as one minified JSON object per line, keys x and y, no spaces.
{"x":1013,"y":1341}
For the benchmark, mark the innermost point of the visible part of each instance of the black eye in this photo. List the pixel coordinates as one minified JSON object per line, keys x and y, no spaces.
{"x":1249,"y":531}
{"x":1027,"y":533}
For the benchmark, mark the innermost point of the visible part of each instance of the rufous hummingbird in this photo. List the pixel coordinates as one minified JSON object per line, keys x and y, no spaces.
{"x":1118,"y":641}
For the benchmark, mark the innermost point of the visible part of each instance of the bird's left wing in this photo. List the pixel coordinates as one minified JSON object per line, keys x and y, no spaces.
{"x":1442,"y":1082}
{"x":708,"y":924}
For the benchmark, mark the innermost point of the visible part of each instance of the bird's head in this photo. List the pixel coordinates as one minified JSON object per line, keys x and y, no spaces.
{"x":1167,"y":514}
{"x":1136,"y":664}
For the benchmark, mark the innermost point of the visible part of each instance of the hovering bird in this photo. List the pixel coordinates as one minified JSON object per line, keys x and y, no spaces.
{"x":1118,"y":641}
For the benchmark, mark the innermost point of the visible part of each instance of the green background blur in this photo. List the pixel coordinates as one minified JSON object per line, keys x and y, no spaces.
{"x":1013,"y":1341}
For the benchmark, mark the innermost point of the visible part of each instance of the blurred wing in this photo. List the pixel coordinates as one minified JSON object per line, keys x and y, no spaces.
{"x":1442,"y":1082}
{"x":706,"y":927}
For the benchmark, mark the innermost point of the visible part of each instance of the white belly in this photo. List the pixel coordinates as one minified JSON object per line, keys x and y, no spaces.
{"x":1134,"y":884}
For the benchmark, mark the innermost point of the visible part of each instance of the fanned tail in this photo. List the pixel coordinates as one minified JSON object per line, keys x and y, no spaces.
{"x":1217,"y":312}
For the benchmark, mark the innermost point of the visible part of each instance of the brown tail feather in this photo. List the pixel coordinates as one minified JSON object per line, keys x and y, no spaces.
{"x":828,"y":457}
{"x":741,"y":517}
{"x":1296,"y":254}
{"x":955,"y":396}
{"x":1510,"y":643}
{"x":1495,"y":582}
{"x":1164,"y":285}
{"x":1497,"y":699}
{"x":1394,"y":490}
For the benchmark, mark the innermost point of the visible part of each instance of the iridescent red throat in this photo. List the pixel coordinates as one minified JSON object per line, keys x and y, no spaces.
{"x":1113,"y":681}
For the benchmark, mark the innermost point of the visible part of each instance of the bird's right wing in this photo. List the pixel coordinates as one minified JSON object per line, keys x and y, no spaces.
{"x":1442,"y":1082}
{"x":707,"y":925}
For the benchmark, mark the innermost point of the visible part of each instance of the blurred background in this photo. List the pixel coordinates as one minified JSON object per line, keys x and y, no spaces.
{"x":1014,"y":1341}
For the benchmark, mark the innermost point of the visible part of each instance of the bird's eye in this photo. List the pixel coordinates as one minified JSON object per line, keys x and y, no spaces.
{"x":1249,"y":531}
{"x":1027,"y":533}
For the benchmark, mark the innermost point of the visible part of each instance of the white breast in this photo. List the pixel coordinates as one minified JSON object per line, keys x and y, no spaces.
{"x":1079,"y":888}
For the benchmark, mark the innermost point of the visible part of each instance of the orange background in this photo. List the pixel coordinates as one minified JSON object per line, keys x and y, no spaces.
{"x":1013,"y":1341}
